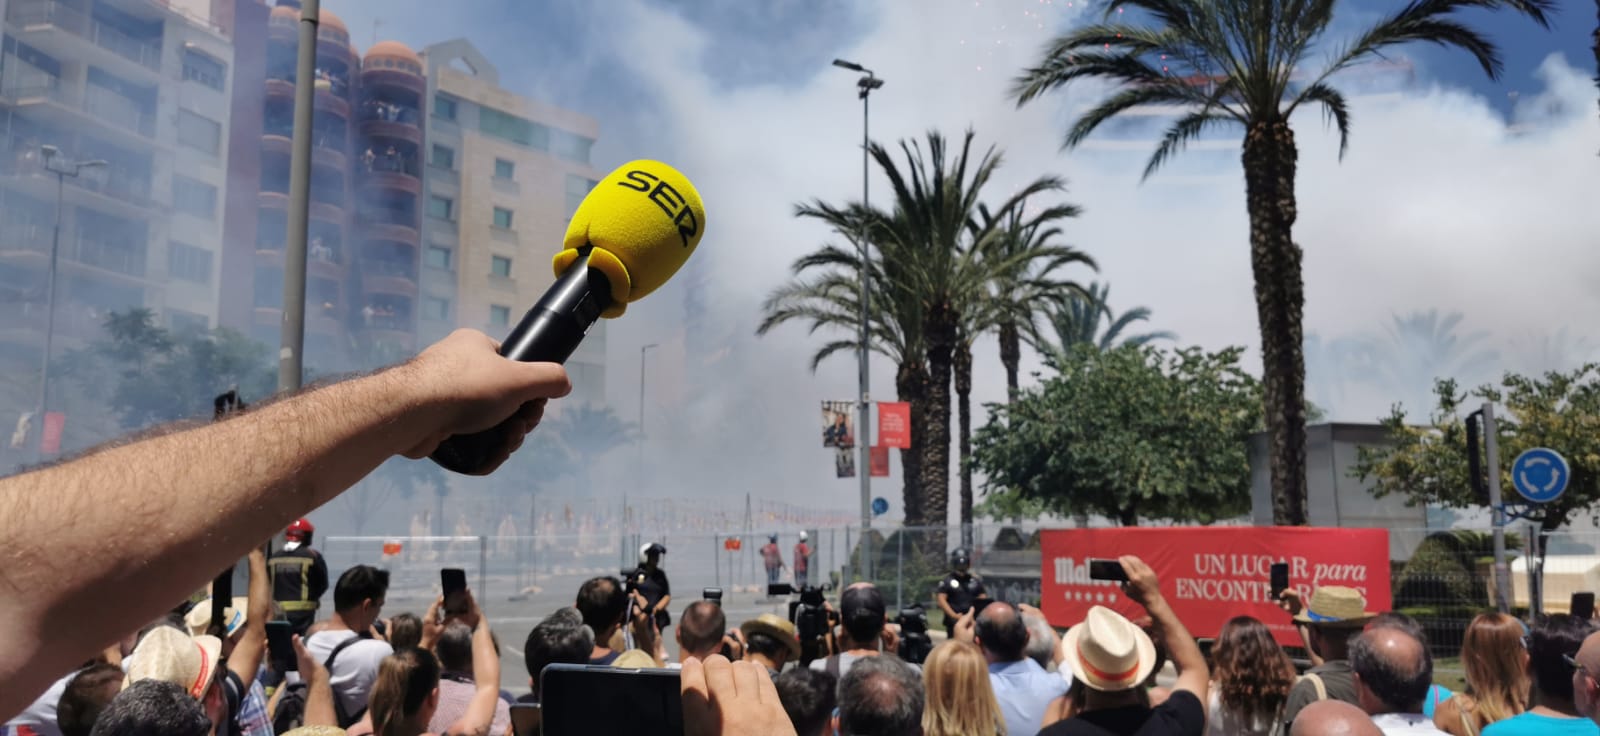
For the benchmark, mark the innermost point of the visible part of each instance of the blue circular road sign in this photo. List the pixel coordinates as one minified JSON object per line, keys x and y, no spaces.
{"x":880,"y":506}
{"x":1540,"y":475}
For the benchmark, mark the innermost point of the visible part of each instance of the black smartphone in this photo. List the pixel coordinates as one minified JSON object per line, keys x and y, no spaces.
{"x":980,"y":604}
{"x":280,"y":647}
{"x":221,"y":599}
{"x":524,"y":719}
{"x":454,"y":581}
{"x":1107,"y":570}
{"x":1280,"y":578}
{"x":712,"y":594}
{"x":776,"y":589}
{"x":1582,"y":606}
{"x":583,"y":699}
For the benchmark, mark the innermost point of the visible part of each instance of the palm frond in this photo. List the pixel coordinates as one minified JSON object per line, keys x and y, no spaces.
{"x":1178,"y":136}
{"x":1334,"y":110}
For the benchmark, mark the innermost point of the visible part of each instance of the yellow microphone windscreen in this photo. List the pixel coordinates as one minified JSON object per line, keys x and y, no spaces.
{"x":644,"y":219}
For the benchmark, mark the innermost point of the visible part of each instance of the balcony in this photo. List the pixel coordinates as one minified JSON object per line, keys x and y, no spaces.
{"x":116,"y":189}
{"x":25,"y":240}
{"x":280,"y":88}
{"x":273,"y":200}
{"x":113,"y":113}
{"x":49,"y":25}
{"x":378,"y":129}
{"x":332,"y":103}
{"x":380,"y":77}
{"x":124,"y":259}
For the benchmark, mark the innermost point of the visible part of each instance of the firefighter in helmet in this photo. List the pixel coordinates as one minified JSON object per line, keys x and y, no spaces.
{"x":299,"y":576}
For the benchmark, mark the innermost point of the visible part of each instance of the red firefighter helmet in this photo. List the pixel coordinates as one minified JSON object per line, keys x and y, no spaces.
{"x":300,"y":530}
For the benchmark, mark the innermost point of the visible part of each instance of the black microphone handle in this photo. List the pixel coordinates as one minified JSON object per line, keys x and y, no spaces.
{"x":548,"y":333}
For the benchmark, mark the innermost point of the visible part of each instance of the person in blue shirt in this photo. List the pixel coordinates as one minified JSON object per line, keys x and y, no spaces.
{"x":1552,"y":645}
{"x":1023,"y":688}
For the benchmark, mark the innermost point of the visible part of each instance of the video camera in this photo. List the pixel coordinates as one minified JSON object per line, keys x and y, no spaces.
{"x":810,"y":616}
{"x":915,"y":643}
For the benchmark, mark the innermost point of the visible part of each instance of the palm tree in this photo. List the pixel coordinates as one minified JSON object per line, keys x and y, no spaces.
{"x":1229,"y":61}
{"x":1087,"y":322}
{"x":830,"y":299}
{"x":1022,"y":285}
{"x":589,"y":432}
{"x":1424,"y":346}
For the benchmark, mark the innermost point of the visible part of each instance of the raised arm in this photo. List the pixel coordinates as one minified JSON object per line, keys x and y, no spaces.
{"x":319,"y":688}
{"x":146,"y":522}
{"x":1143,"y":588}
{"x":485,"y":674}
{"x":246,"y":658}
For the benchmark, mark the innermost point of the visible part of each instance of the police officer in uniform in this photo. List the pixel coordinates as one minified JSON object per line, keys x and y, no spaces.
{"x":299,"y":576}
{"x":959,"y":589}
{"x":651,"y":582}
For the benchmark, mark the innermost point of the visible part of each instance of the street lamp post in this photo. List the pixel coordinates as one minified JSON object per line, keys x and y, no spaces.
{"x":866,"y":84}
{"x":639,"y":431}
{"x":62,"y":168}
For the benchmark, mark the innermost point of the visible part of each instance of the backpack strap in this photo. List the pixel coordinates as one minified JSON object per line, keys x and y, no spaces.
{"x":1317,"y":684}
{"x":832,"y":667}
{"x":346,"y":720}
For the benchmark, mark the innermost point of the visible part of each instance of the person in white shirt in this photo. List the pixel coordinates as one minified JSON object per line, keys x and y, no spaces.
{"x":357,"y":601}
{"x":1393,"y":671}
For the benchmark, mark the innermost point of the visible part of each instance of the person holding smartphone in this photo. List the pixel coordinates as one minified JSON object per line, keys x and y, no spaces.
{"x":959,"y":589}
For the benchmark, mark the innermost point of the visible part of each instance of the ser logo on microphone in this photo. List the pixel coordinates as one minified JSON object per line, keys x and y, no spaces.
{"x":665,"y":197}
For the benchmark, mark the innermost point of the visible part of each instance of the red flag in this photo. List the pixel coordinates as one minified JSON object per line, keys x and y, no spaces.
{"x":880,"y":461}
{"x":894,"y":425}
{"x":54,"y":423}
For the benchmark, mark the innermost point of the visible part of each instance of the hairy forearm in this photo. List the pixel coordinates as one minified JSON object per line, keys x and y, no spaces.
{"x":145,"y":524}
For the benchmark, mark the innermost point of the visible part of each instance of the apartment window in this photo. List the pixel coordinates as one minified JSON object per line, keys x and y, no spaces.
{"x":504,"y":169}
{"x":500,"y":266}
{"x":441,"y":207}
{"x":444,"y":157}
{"x":435,"y":308}
{"x":199,"y":132}
{"x":438,"y":257}
{"x":508,"y":127}
{"x":499,"y":316}
{"x":194,"y":197}
{"x":502,"y":218}
{"x":183,"y":321}
{"x":199,"y":66}
{"x":189,"y":263}
{"x":577,"y":188}
{"x":571,"y":146}
{"x":444,"y":107}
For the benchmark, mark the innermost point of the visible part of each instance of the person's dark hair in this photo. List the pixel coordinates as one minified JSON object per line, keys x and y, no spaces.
{"x":1558,"y":634}
{"x":1251,"y":672}
{"x":358,"y":584}
{"x":764,"y":645}
{"x":405,"y":631}
{"x":701,"y":629}
{"x":560,"y":639}
{"x":405,"y":680}
{"x":86,"y":696}
{"x":880,"y":696}
{"x":808,"y":697}
{"x":454,"y":648}
{"x":1397,"y":620}
{"x":603,"y":603}
{"x":1398,"y":681}
{"x":153,"y":708}
{"x":1002,"y":632}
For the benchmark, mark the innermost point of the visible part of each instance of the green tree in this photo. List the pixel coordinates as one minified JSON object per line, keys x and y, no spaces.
{"x":1087,"y":322}
{"x":1249,"y":59}
{"x":1428,"y":464}
{"x":1129,"y":433}
{"x":588,"y":432}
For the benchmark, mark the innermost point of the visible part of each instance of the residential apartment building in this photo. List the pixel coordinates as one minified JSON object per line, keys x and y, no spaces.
{"x":504,"y":175}
{"x":143,"y":87}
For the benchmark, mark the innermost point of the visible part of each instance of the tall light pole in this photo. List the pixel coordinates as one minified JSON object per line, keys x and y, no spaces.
{"x":62,"y":168}
{"x":293,"y":340}
{"x":639,"y":431}
{"x":866,"y":84}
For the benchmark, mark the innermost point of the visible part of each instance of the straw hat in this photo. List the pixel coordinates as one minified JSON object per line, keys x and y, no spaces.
{"x":1107,"y":652}
{"x":634,"y":659}
{"x":174,"y":656}
{"x":198,"y":619}
{"x":776,"y":627}
{"x":316,"y":731}
{"x":1336,"y":605}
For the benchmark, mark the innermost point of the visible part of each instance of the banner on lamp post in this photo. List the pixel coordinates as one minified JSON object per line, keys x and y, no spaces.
{"x":838,"y":430}
{"x":894,"y":425}
{"x":50,"y":439}
{"x":880,"y":461}
{"x":844,"y":463}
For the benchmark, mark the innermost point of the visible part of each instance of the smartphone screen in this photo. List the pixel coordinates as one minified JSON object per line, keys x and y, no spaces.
{"x":454,"y":580}
{"x":1280,"y":578}
{"x":524,"y":719}
{"x":1107,"y":570}
{"x":980,"y":604}
{"x":280,"y":646}
{"x":1583,"y":605}
{"x":583,"y":699}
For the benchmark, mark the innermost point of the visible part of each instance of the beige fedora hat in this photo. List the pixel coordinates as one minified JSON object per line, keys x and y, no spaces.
{"x":1107,"y":652}
{"x":169,"y":654}
{"x":198,"y":619}
{"x":776,"y":627}
{"x":1336,"y":605}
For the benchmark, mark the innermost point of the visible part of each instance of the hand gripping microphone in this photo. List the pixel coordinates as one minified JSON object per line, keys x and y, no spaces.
{"x":633,"y":231}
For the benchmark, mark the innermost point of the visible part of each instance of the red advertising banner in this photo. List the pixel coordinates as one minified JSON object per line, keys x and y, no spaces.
{"x":55,"y":423}
{"x":1211,"y":574}
{"x":894,"y":425}
{"x":880,"y":461}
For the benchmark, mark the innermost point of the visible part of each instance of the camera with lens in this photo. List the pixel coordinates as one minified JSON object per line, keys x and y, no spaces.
{"x":812,"y":622}
{"x":915,"y":643}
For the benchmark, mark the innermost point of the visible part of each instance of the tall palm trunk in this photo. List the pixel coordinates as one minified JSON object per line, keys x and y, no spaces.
{"x":963,"y":376}
{"x":1011,"y":354}
{"x":910,"y":383}
{"x":940,"y":334}
{"x":1269,"y":170}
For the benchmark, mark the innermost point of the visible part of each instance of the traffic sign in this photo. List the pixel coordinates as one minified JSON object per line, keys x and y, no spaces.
{"x":880,"y":506}
{"x":1540,"y":475}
